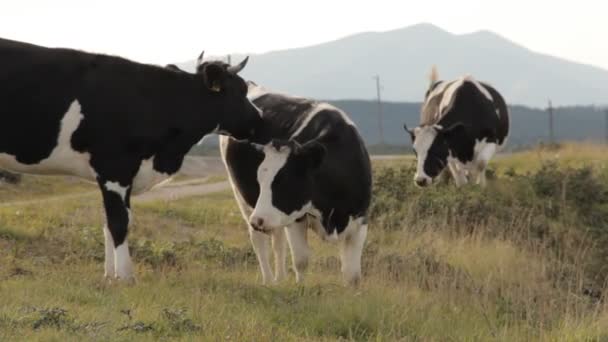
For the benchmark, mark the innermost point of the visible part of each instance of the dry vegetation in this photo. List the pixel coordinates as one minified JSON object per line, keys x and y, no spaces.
{"x":521,"y":260}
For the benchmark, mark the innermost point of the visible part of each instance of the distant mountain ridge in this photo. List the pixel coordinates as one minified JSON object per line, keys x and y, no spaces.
{"x":528,"y":126}
{"x":343,"y":68}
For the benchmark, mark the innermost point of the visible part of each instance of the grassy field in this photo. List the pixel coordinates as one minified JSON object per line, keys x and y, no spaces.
{"x":523,"y":259}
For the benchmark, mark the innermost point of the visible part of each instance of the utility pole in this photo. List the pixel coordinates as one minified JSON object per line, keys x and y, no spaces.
{"x":229,"y":60}
{"x":380,"y":119}
{"x":551,"y":135}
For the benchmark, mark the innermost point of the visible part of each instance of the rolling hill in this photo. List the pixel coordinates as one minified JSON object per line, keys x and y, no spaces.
{"x":343,"y":69}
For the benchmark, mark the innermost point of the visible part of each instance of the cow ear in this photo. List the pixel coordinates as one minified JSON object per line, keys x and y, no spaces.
{"x":410,"y":132}
{"x":312,"y":153}
{"x":456,"y":130}
{"x":214,"y":75}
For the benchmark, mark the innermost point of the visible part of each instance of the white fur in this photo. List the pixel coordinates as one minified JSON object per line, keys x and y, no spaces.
{"x":450,"y":93}
{"x":147,"y":178}
{"x":424,"y":139}
{"x":255,"y":91}
{"x":261,"y":242}
{"x":279,"y":247}
{"x":480,"y":87}
{"x":261,"y":246}
{"x":298,"y":244}
{"x":109,"y":271}
{"x":63,"y":159}
{"x":123,"y":264}
{"x":273,"y":218}
{"x":475,"y":169}
{"x":117,"y":188}
{"x":319,"y":108}
{"x":351,"y":249}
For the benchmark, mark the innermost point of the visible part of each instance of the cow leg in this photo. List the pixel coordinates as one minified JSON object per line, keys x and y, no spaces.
{"x":351,"y":249}
{"x":260,"y":241}
{"x":116,"y":203}
{"x":261,"y":247}
{"x":459,"y":174}
{"x":279,"y":246}
{"x":479,"y":174}
{"x":298,"y":244}
{"x":109,"y":271}
{"x":483,"y":158}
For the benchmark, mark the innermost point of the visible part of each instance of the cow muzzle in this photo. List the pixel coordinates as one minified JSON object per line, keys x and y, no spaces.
{"x":422,"y":181}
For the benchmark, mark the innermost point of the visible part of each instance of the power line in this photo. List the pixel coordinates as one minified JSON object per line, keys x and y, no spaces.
{"x":380,"y":119}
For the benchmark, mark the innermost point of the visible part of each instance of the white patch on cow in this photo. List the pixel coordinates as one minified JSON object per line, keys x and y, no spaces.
{"x":147,"y":177}
{"x":317,"y":109}
{"x":297,"y":236}
{"x":109,"y":271}
{"x":484,"y":151}
{"x":261,"y":242}
{"x":123,"y":264}
{"x":458,"y":170}
{"x":449,"y":96}
{"x":279,"y":248}
{"x":424,"y":139}
{"x":351,"y":249}
{"x":261,"y":246}
{"x":437,"y":91}
{"x":63,"y":159}
{"x":117,"y":188}
{"x":255,"y":91}
{"x":273,"y":218}
{"x":480,"y":87}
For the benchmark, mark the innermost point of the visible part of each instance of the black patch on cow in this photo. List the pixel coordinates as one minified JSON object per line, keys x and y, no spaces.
{"x":339,"y":187}
{"x":117,"y":214}
{"x":471,"y":118}
{"x":131,"y":112}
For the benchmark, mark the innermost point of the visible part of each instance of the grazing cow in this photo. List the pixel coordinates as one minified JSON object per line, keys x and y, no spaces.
{"x":121,"y":124}
{"x":313,"y":170}
{"x":463,"y":123}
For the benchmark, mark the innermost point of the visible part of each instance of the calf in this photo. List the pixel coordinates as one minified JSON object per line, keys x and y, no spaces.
{"x":312,"y":171}
{"x":463,"y":123}
{"x":124,"y":125}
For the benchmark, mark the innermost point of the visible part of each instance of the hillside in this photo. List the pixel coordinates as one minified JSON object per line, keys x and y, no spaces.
{"x":343,"y":69}
{"x":528,"y":125}
{"x":522,"y":260}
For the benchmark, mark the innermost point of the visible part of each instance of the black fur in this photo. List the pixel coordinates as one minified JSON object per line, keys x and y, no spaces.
{"x":471,"y":118}
{"x":329,"y":164}
{"x":131,"y":112}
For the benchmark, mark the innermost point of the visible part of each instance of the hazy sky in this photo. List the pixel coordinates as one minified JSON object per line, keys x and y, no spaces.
{"x":174,"y":31}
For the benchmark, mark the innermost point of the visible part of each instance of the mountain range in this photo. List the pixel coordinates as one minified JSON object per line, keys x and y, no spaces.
{"x":344,"y":68}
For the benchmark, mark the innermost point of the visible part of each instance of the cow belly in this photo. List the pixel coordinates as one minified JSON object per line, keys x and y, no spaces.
{"x":62,"y":161}
{"x":147,"y":177}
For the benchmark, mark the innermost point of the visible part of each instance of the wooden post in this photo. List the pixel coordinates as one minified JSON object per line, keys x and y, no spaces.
{"x":380,"y":119}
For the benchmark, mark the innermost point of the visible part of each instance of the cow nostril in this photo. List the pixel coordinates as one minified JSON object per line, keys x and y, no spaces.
{"x":257,"y":222}
{"x":421,"y":182}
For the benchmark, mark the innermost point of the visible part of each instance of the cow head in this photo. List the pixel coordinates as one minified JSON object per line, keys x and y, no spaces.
{"x":227,"y":91}
{"x":432,"y":148}
{"x":285,"y":178}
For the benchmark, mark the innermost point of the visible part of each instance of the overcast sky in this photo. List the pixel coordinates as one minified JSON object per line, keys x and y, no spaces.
{"x":174,"y":31}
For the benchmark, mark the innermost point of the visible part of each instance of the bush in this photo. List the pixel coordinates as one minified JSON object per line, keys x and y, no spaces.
{"x":563,"y":208}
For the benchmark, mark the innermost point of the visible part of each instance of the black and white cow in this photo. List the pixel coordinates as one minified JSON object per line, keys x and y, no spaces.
{"x":312,"y":171}
{"x":463,"y":123}
{"x":121,"y":124}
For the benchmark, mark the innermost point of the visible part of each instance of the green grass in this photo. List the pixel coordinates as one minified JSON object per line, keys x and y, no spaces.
{"x":507,"y":263}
